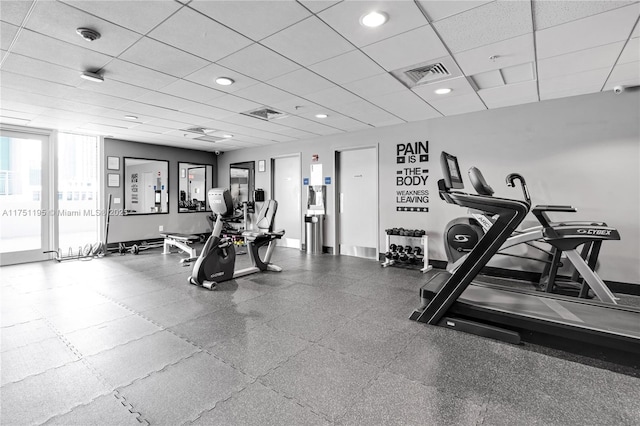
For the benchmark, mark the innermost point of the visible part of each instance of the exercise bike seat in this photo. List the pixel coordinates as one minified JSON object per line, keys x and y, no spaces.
{"x":479,"y":183}
{"x":264,"y":222}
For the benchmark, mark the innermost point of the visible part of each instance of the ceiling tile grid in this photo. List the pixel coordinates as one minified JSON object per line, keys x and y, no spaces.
{"x":159,"y":60}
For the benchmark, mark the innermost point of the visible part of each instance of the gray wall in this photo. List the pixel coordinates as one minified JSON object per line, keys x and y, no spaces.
{"x":139,"y":227}
{"x":583,"y":151}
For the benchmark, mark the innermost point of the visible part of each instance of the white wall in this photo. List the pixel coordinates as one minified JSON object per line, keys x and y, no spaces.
{"x":583,"y":151}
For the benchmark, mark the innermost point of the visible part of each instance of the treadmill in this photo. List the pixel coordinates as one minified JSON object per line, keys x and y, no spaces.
{"x":513,"y":314}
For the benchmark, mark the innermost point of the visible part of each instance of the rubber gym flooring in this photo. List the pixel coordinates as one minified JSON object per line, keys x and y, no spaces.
{"x":125,"y":340}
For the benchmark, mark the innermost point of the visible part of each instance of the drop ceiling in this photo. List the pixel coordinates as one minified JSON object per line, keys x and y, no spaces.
{"x":160,"y":59}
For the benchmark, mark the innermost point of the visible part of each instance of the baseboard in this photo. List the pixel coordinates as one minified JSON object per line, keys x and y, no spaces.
{"x":534,"y":277}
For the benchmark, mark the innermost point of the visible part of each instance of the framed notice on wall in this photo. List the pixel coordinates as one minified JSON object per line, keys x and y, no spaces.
{"x":113,"y":163}
{"x":113,"y":180}
{"x":262,"y":165}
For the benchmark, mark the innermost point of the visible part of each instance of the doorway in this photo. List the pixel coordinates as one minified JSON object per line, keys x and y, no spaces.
{"x":286,"y":191}
{"x":357,"y":192}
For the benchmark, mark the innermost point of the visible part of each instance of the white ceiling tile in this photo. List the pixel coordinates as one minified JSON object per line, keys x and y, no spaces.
{"x":406,"y":105}
{"x":138,"y":108}
{"x":488,"y":79}
{"x":167,"y":124}
{"x":377,"y":85}
{"x":136,"y":75}
{"x":35,"y":85}
{"x":459,"y":104}
{"x":140,"y":15}
{"x":437,"y":10}
{"x":7,"y":34}
{"x":317,"y":6}
{"x":631,"y":52}
{"x":583,"y":60}
{"x":513,"y":51}
{"x":348,"y":67}
{"x":368,"y":113}
{"x":39,"y":100}
{"x":164,"y":58}
{"x":518,"y":73}
{"x":58,"y":52}
{"x":332,"y":97}
{"x":347,"y":124}
{"x":255,"y":19}
{"x":513,"y":94}
{"x":258,"y":62}
{"x":586,"y":82}
{"x":163,"y":100}
{"x":487,"y":24}
{"x":20,"y":107}
{"x":597,"y":30}
{"x":233,"y":103}
{"x":297,"y":133}
{"x":151,"y":129}
{"x":192,"y":91}
{"x":14,"y":12}
{"x":636,"y":32}
{"x":624,"y":75}
{"x":199,"y":35}
{"x":307,"y":125}
{"x":294,"y":105}
{"x":345,"y":19}
{"x":308,"y":42}
{"x":565,"y":93}
{"x":96,"y":99}
{"x":3,"y":53}
{"x":459,"y":87}
{"x":551,"y":13}
{"x":263,"y":94}
{"x":413,"y":47}
{"x":301,"y":82}
{"x":114,"y":88}
{"x":42,"y":70}
{"x":60,"y":21}
{"x":207,"y":111}
{"x":206,"y":76}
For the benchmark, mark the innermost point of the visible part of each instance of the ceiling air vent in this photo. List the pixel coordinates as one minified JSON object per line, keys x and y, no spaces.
{"x":266,"y":114}
{"x":428,"y":72}
{"x":209,"y":138}
{"x":199,"y":130}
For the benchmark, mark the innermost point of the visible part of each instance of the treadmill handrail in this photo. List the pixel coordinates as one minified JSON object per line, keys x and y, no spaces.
{"x":510,"y":213}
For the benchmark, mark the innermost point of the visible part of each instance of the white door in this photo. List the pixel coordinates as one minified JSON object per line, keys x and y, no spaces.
{"x":286,"y":191}
{"x":357,"y":179}
{"x":26,"y":207}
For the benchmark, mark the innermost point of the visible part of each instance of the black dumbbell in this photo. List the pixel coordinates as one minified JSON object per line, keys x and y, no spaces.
{"x":392,"y":247}
{"x":417,"y":250}
{"x":408,"y":249}
{"x":388,"y":255}
{"x":395,"y":255}
{"x":404,"y":257}
{"x":400,"y":249}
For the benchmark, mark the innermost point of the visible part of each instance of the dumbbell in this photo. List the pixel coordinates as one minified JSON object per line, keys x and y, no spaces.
{"x":388,"y":254}
{"x":417,"y":250}
{"x":408,"y":249}
{"x":404,"y":257}
{"x":395,"y":255}
{"x":392,"y":247}
{"x":400,"y":249}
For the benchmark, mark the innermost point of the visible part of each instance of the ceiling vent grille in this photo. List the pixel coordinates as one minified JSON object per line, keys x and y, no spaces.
{"x":266,"y":114}
{"x":427,"y":73}
{"x":199,"y":130}
{"x":209,"y":139}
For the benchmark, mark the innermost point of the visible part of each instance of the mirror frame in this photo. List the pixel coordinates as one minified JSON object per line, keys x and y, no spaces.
{"x":185,"y":165}
{"x":245,"y":165}
{"x":127,"y":186}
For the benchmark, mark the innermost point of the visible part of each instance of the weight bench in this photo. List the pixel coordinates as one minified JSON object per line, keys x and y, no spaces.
{"x":181,"y":241}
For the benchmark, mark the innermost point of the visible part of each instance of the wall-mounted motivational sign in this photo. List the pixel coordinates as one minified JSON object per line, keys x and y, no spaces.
{"x":411,"y":177}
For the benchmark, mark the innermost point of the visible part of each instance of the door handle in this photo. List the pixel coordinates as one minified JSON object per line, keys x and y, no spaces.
{"x":341,"y":202}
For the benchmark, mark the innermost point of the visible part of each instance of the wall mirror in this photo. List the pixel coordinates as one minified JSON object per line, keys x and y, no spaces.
{"x":241,"y":182}
{"x":146,"y":186}
{"x":193,"y":187}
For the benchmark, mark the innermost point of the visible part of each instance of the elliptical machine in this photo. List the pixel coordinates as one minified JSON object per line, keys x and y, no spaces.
{"x":216,"y":262}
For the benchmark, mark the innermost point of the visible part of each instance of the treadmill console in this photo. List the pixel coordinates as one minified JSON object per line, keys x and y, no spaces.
{"x":451,"y":171}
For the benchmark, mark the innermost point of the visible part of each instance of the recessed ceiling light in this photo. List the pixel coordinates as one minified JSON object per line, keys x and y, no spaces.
{"x":92,"y":76}
{"x":227,"y":136}
{"x":442,"y":91}
{"x":224,"y":81}
{"x":374,"y":19}
{"x":321,"y":115}
{"x":130,"y":117}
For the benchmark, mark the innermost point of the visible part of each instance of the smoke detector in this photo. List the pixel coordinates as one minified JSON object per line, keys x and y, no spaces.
{"x":88,"y":34}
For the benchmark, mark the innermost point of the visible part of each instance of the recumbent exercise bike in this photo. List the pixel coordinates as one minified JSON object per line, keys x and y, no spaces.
{"x":217,"y":259}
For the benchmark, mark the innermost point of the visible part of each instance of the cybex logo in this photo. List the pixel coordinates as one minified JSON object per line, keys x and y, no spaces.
{"x":217,"y":201}
{"x":217,"y":274}
{"x":461,"y":238}
{"x":594,"y":231}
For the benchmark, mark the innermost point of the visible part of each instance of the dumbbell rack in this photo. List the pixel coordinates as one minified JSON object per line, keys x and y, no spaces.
{"x":424,"y":242}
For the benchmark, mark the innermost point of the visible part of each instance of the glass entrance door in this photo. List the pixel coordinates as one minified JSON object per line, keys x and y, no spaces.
{"x":25,"y":210}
